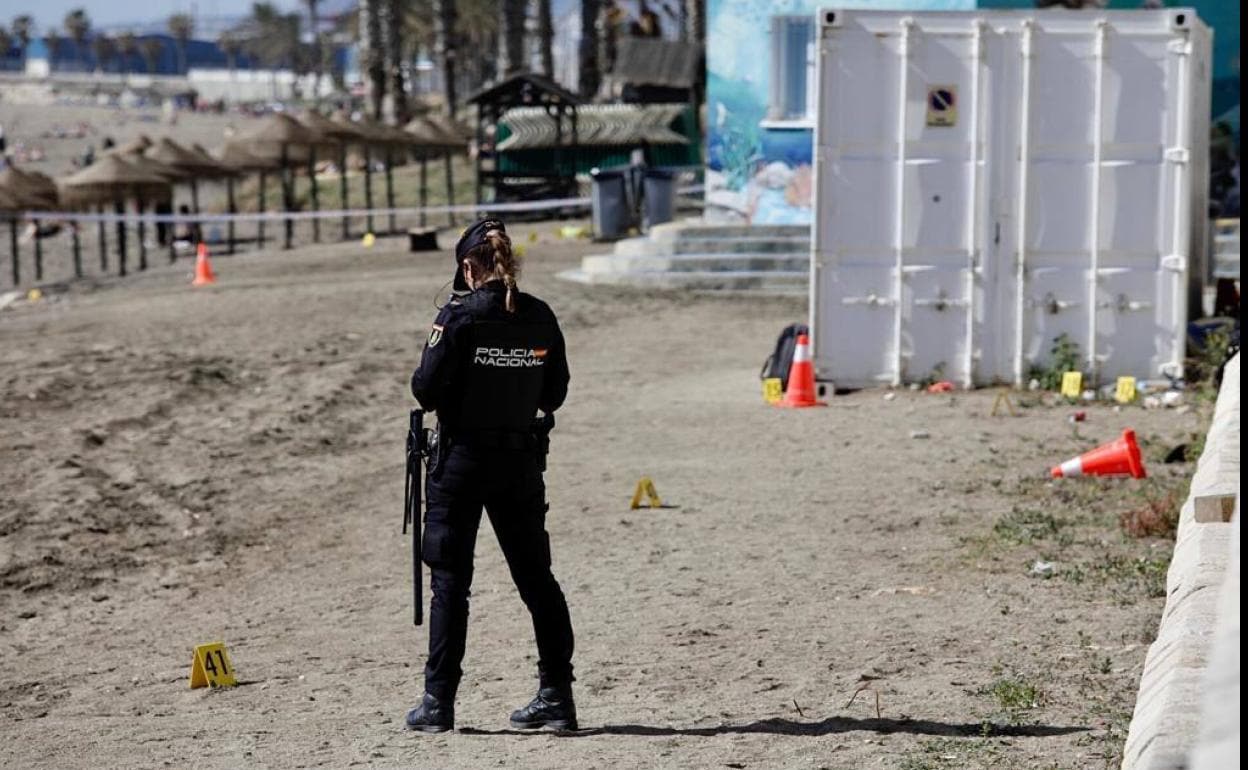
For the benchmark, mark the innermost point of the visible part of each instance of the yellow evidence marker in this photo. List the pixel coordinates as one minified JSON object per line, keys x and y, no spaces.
{"x":646,"y":487}
{"x":1125,"y":392}
{"x":773,"y":390}
{"x":1072,"y":384}
{"x":1003,"y":397}
{"x":211,"y":667}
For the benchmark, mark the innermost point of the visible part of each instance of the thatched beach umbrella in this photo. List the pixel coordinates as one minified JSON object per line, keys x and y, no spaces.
{"x":30,"y":192}
{"x":388,"y":140}
{"x":335,"y":136}
{"x":170,"y":174}
{"x":111,"y":178}
{"x":135,"y":146}
{"x":241,"y":160}
{"x":292,"y":142}
{"x":193,"y":166}
{"x":432,"y":139}
{"x":11,"y":206}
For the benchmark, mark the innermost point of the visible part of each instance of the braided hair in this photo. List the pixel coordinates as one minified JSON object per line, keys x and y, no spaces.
{"x":495,"y":257}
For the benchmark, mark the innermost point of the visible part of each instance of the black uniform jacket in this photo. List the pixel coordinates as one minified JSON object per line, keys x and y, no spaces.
{"x":485,"y":369}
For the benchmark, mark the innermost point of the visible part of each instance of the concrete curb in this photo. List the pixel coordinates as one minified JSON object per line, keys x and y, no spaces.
{"x":1202,"y":603}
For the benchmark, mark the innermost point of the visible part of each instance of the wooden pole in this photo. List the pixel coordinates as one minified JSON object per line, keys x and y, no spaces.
{"x":138,"y":209}
{"x":119,"y":208}
{"x":288,"y":182}
{"x":17,"y":262}
{"x":233,"y":209}
{"x":316,"y":194}
{"x":73,"y":226}
{"x":450,"y":189}
{"x":424,"y":185}
{"x":38,"y":253}
{"x":102,"y":239}
{"x":390,"y":186}
{"x":260,"y":223}
{"x":170,"y":228}
{"x":368,"y":184}
{"x":342,"y":187}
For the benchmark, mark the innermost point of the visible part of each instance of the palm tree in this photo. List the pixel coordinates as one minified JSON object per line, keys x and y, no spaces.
{"x":318,"y":62}
{"x":52,"y":38}
{"x":103,"y":47}
{"x":230,"y":46}
{"x":545,"y":38}
{"x":374,"y":53}
{"x":181,"y":26}
{"x":588,"y":76}
{"x":445,"y":33}
{"x":127,"y":46}
{"x":151,"y":48}
{"x":695,"y":21}
{"x":511,"y":22}
{"x":394,"y":58}
{"x":78,"y":25}
{"x":22,"y":26}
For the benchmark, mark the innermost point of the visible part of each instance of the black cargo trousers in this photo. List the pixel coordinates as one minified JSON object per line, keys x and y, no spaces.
{"x":507,"y":483}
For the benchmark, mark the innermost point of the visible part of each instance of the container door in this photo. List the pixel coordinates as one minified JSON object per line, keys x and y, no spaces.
{"x":1094,"y":216}
{"x":899,"y":267}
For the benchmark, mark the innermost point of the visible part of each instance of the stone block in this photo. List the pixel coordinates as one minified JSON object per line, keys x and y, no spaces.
{"x":1214,"y":507}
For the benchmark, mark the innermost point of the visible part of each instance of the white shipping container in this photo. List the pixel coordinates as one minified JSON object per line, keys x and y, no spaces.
{"x":987,"y":181}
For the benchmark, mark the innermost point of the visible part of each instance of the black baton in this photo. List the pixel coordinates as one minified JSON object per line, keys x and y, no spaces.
{"x":416,"y":451}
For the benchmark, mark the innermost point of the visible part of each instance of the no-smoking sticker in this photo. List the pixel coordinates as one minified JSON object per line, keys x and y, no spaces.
{"x":942,"y":105}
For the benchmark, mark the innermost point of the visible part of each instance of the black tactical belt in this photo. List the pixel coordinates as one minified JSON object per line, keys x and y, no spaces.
{"x":493,"y":439}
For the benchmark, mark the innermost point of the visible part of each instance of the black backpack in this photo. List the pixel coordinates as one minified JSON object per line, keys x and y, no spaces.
{"x":781,"y":359}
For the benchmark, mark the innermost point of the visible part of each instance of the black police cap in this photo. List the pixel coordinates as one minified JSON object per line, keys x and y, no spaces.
{"x":472,"y":237}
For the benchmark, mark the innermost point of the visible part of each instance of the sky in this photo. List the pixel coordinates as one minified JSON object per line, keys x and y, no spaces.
{"x":113,"y":12}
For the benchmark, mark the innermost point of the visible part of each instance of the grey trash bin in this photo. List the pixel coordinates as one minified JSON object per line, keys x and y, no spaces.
{"x":609,"y":200}
{"x":658,"y":197}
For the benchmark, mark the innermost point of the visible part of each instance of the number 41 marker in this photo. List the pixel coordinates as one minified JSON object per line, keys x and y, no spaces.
{"x":211,"y":667}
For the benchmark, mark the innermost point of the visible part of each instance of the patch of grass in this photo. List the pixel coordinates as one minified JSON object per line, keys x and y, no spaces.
{"x":1202,"y":367}
{"x":1027,"y":525}
{"x":1015,"y":695}
{"x":1156,"y":516}
{"x":1065,"y":358}
{"x":951,"y":753}
{"x":1126,"y":578}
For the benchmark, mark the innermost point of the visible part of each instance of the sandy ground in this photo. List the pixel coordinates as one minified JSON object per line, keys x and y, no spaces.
{"x":186,"y":465}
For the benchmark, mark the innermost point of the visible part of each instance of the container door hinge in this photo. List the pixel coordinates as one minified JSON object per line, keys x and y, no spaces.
{"x":871,"y":300}
{"x":1175,"y":262}
{"x":1181,"y":47}
{"x":1178,"y":155}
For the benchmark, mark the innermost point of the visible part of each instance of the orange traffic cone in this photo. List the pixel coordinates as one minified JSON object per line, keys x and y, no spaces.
{"x":203,"y":268}
{"x":801,"y":390}
{"x":1120,"y":457}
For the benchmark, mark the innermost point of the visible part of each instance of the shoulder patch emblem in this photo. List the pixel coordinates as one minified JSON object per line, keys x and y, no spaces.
{"x":435,"y":336}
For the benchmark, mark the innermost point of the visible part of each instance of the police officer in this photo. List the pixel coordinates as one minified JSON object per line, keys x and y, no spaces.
{"x":495,"y":357}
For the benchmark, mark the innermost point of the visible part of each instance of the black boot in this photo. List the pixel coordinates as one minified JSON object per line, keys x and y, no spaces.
{"x":553,"y":707}
{"x":431,"y":716}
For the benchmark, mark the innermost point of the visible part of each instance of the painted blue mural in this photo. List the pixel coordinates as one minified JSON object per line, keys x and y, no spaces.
{"x":759,"y":134}
{"x":759,"y":140}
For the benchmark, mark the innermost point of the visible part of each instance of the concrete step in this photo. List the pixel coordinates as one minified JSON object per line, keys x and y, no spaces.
{"x":697,"y":229}
{"x":777,"y":282}
{"x":614,"y":263}
{"x":686,"y":244}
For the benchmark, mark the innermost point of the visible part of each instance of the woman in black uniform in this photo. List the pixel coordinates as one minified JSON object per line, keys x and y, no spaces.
{"x":495,"y":357}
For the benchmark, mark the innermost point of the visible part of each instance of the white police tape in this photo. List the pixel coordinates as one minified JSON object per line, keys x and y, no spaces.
{"x":281,"y":216}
